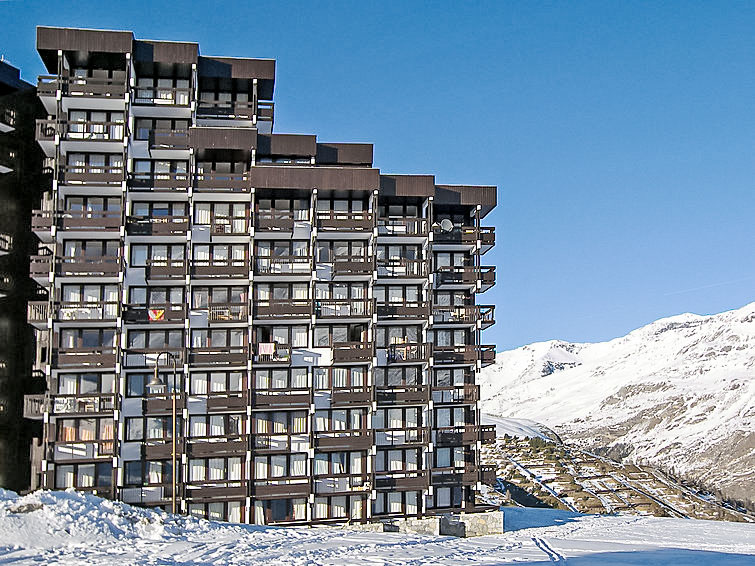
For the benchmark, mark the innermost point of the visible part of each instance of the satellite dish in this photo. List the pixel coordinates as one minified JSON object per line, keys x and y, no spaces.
{"x":446,"y":225}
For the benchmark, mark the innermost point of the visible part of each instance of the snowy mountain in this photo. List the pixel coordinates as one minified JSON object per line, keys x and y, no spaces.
{"x":68,"y":528}
{"x":678,"y":394}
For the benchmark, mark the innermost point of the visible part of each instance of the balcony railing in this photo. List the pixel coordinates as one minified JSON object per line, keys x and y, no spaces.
{"x":402,"y":268}
{"x":220,"y":267}
{"x":81,"y":265}
{"x":215,"y":447}
{"x":149,"y":181}
{"x":356,"y":439}
{"x":91,"y":174}
{"x":34,"y":406}
{"x":287,"y":265}
{"x":48,"y":85}
{"x":334,"y":308}
{"x":109,"y":220}
{"x":166,"y":269}
{"x":467,"y":354}
{"x":87,"y":130}
{"x":282,"y":398}
{"x":279,"y":220}
{"x":466,"y":235}
{"x":162,"y":96}
{"x":104,"y":356}
{"x":467,"y":393}
{"x":39,"y":265}
{"x":228,"y":313}
{"x":169,"y":139}
{"x":157,"y":225}
{"x":358,"y":352}
{"x":403,"y":394}
{"x":464,"y":314}
{"x":402,"y":226}
{"x":265,"y":111}
{"x":353,"y":265}
{"x":88,"y":311}
{"x":348,"y":396}
{"x":211,"y":355}
{"x":464,"y":434}
{"x":272,"y":352}
{"x":225,"y":109}
{"x":72,"y":404}
{"x":487,"y":236}
{"x":81,"y":450}
{"x":457,"y":275}
{"x":37,"y":312}
{"x":146,"y":357}
{"x":399,"y":436}
{"x":408,"y":352}
{"x":282,"y":308}
{"x":41,"y":220}
{"x":230,"y":182}
{"x":154,"y":313}
{"x":339,"y":221}
{"x":402,"y":480}
{"x":403,"y":309}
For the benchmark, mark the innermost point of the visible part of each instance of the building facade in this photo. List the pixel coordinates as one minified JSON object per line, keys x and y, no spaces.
{"x":21,"y":184}
{"x":316,"y":324}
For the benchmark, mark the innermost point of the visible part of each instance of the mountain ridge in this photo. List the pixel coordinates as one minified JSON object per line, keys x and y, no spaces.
{"x":678,"y":393}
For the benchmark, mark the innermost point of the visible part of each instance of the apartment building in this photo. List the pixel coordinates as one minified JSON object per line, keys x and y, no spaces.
{"x":21,"y":184}
{"x":315,"y":323}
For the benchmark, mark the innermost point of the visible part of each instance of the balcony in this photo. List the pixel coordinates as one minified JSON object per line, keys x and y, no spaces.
{"x":229,"y":401}
{"x":41,"y":222}
{"x":279,"y":442}
{"x":282,"y":398}
{"x":219,"y":355}
{"x":456,"y":275}
{"x":157,"y":225}
{"x":94,"y":87}
{"x":76,"y":404}
{"x":226,"y":110}
{"x":100,"y":175}
{"x":90,"y":220}
{"x":154,"y":313}
{"x":146,"y":357}
{"x":464,"y":434}
{"x":468,"y":475}
{"x":408,"y":353}
{"x":162,"y":96}
{"x":402,"y":268}
{"x":228,"y":313}
{"x":166,"y":269}
{"x":282,"y":487}
{"x":417,"y":227}
{"x":467,"y":394}
{"x":403,"y":394}
{"x":103,"y":266}
{"x":99,"y":356}
{"x":215,"y":447}
{"x":402,"y":480}
{"x":284,"y":265}
{"x":168,"y":140}
{"x":216,"y":491}
{"x":461,"y":235}
{"x":486,"y":237}
{"x":220,"y":268}
{"x":335,"y":308}
{"x":464,"y":314}
{"x":467,"y":354}
{"x":411,"y":436}
{"x":40,"y":266}
{"x":272,"y":353}
{"x":87,"y":131}
{"x":283,"y":308}
{"x":223,"y":182}
{"x":487,"y":355}
{"x":403,"y":310}
{"x":37,"y":313}
{"x":94,"y":311}
{"x":356,"y":352}
{"x":352,"y":265}
{"x":34,"y":406}
{"x":265,"y":112}
{"x":343,"y":440}
{"x":146,"y":181}
{"x":162,"y":404}
{"x":332,"y":221}
{"x":279,"y":220}
{"x":341,"y":483}
{"x":349,"y":396}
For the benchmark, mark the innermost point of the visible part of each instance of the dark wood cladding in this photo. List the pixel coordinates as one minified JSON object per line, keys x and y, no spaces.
{"x":237,"y":68}
{"x":333,"y":178}
{"x":166,"y":52}
{"x":223,"y":138}
{"x":286,"y":144}
{"x":87,"y":40}
{"x":344,"y":154}
{"x":407,"y":185}
{"x":467,"y":195}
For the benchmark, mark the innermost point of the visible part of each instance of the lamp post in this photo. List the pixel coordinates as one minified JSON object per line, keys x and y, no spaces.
{"x":157,"y":382}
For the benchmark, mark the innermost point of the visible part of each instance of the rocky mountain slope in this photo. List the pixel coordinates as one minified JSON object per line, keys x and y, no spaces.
{"x":678,"y":394}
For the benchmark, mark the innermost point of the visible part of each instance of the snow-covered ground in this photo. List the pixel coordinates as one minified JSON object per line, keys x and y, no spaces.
{"x":678,"y":394}
{"x":67,"y":528}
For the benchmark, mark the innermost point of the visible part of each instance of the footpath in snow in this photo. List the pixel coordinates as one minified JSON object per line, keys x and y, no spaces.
{"x":67,"y":528}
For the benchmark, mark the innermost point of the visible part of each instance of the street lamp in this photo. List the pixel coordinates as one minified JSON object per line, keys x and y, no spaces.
{"x":157,"y":382}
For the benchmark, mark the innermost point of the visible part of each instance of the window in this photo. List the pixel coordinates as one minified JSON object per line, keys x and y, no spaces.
{"x":226,"y":218}
{"x":155,"y":339}
{"x":75,"y":249}
{"x":399,"y":210}
{"x":219,"y":254}
{"x":340,"y":377}
{"x":340,"y":419}
{"x":201,"y":426}
{"x":389,"y":335}
{"x":294,"y":336}
{"x":397,"y":418}
{"x":339,"y":463}
{"x":270,"y":379}
{"x":143,"y":255}
{"x":398,"y":376}
{"x":75,"y":338}
{"x":326,"y":335}
{"x":406,"y":459}
{"x":218,"y":381}
{"x":84,"y":430}
{"x":280,"y":422}
{"x":280,"y":466}
{"x":85,"y":204}
{"x":203,"y":297}
{"x":218,"y":338}
{"x":84,"y":475}
{"x":344,"y":250}
{"x":158,"y":209}
{"x":144,"y":126}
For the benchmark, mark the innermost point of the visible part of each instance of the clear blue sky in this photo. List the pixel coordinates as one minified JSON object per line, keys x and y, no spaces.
{"x":621,"y":135}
